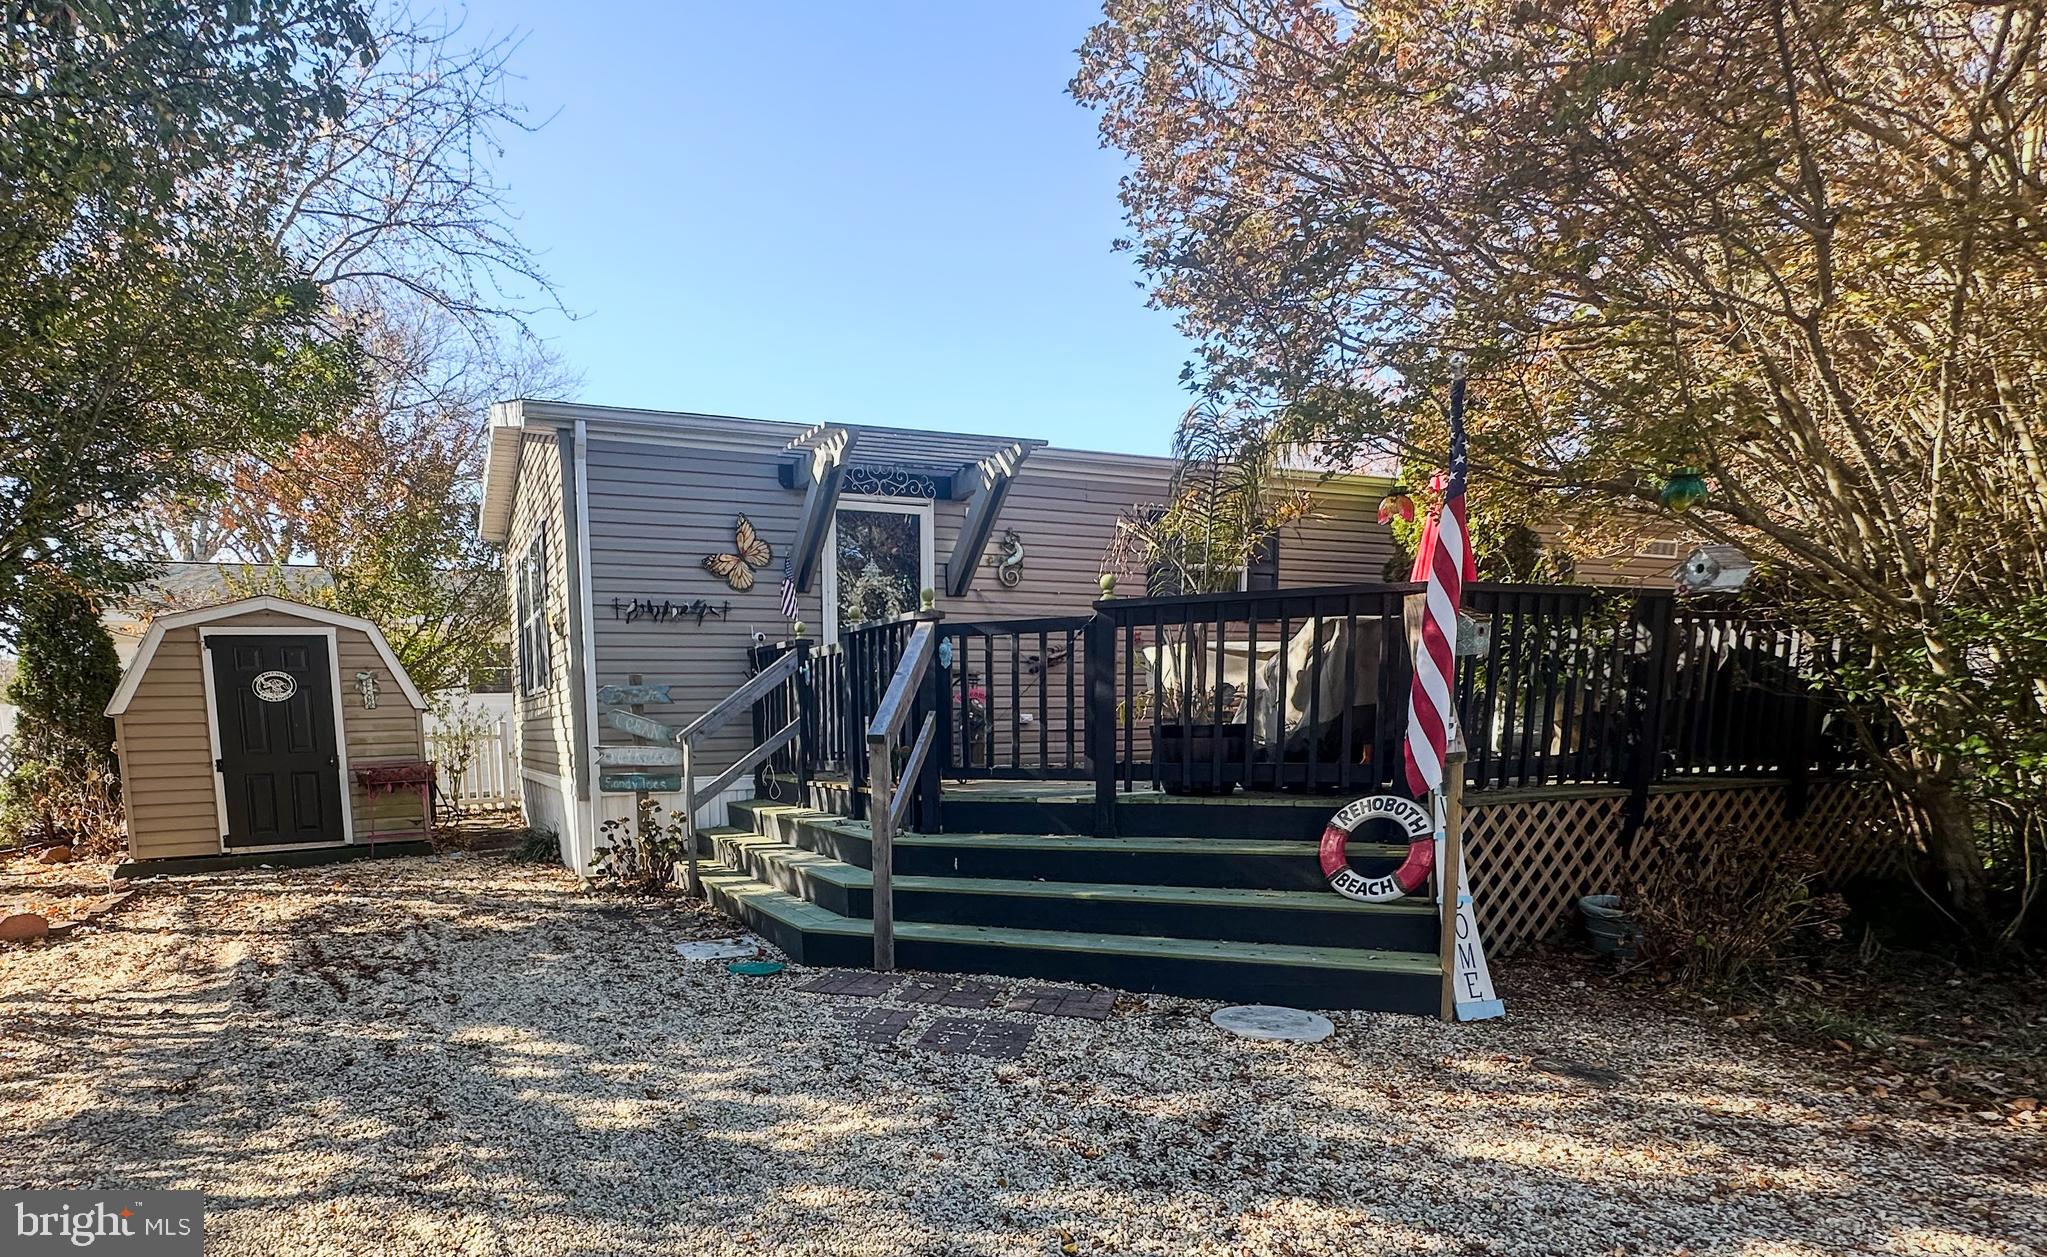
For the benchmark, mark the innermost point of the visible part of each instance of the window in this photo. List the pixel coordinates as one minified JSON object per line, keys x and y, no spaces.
{"x":534,"y":673}
{"x":1261,"y":571}
{"x":1658,"y":550}
{"x":878,"y":561}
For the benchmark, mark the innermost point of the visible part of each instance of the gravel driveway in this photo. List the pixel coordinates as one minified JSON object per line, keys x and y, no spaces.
{"x":472,"y":1056}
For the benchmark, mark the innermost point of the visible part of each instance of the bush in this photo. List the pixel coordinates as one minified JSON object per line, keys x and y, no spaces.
{"x":643,"y":856}
{"x":68,"y":795}
{"x":537,"y":844}
{"x":1712,"y":911}
{"x":63,"y":784}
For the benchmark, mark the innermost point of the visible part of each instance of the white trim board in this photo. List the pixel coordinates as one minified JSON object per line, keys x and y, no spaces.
{"x":131,"y":679}
{"x":340,"y":729}
{"x":582,"y":797}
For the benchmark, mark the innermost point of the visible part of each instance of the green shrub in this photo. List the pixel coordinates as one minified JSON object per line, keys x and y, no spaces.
{"x":63,"y":784}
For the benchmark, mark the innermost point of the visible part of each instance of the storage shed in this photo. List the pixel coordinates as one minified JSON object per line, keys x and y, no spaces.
{"x":249,"y":728}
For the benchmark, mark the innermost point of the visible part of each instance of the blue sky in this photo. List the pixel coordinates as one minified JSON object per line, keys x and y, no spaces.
{"x":866,"y":213}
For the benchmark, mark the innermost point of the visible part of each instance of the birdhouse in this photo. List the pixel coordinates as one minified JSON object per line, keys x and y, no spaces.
{"x":1715,"y":567}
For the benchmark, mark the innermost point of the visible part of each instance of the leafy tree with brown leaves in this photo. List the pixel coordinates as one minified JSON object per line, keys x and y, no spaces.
{"x":1797,"y":246}
{"x":397,"y":210}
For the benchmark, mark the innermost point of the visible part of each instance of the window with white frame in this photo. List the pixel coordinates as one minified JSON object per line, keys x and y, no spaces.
{"x":534,"y":672}
{"x":879,"y":559}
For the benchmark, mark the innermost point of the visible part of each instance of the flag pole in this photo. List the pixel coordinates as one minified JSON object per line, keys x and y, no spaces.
{"x":1450,"y":869}
{"x":1450,"y":795}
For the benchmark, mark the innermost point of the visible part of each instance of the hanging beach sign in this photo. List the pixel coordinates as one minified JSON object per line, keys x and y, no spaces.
{"x":1413,"y":873}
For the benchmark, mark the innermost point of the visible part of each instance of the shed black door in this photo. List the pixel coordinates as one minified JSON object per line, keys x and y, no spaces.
{"x":279,"y":767}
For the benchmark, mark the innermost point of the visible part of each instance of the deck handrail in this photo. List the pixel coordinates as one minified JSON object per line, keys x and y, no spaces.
{"x":890,"y":797}
{"x":755,"y":688}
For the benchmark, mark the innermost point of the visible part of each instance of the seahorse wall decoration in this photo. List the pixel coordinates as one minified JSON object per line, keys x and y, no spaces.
{"x":1008,"y":564}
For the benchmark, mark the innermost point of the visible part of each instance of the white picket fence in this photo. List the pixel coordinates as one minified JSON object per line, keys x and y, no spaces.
{"x":492,"y":776}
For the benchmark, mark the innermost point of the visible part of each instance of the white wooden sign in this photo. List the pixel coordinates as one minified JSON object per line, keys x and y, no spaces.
{"x":1471,"y":982}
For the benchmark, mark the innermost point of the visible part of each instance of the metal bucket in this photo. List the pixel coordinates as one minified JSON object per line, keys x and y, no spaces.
{"x":1613,"y":932}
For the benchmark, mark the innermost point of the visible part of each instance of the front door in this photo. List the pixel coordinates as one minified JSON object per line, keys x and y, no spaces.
{"x":279,"y":767}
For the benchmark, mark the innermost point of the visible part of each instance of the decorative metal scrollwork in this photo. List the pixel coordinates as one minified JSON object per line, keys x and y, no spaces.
{"x":892,"y":480}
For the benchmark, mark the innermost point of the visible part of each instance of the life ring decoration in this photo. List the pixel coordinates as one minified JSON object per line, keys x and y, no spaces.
{"x":1413,"y":873}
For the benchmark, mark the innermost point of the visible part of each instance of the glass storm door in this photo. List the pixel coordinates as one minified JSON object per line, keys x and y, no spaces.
{"x":881,"y":560}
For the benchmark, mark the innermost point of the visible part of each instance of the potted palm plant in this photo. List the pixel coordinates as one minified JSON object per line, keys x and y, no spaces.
{"x":1224,"y":507}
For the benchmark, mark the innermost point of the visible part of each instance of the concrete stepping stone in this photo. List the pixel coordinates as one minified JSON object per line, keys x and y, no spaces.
{"x":950,"y":994}
{"x":1270,"y":1021}
{"x":1054,"y":1001}
{"x":970,"y":1036}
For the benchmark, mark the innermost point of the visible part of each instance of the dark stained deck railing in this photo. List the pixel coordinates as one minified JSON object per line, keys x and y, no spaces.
{"x":1013,"y":688}
{"x":1307,"y":690}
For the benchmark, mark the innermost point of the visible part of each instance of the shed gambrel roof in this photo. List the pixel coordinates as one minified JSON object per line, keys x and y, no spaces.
{"x":138,"y":667}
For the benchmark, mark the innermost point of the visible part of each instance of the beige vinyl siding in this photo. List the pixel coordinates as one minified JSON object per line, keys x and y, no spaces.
{"x":656,"y":510}
{"x":166,"y":744}
{"x":1340,"y":540}
{"x":1633,"y":568}
{"x":1063,"y":506}
{"x":546,"y":730}
{"x":167,"y":777}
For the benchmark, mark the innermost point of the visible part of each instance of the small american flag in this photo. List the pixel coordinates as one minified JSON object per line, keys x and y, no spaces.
{"x":788,"y":591}
{"x":1443,"y":560}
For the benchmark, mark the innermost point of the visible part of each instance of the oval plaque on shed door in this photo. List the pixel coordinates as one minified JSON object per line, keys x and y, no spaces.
{"x":274,"y":687}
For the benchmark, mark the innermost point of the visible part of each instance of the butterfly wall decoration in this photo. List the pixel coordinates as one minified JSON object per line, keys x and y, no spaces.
{"x":738,"y":569}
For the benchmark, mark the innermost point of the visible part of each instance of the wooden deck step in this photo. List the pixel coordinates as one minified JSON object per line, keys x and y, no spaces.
{"x":1302,"y":975}
{"x":1258,"y":863}
{"x":1248,"y":914}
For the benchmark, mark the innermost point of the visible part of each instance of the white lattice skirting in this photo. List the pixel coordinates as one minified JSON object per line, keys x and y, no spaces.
{"x":1533,"y":853}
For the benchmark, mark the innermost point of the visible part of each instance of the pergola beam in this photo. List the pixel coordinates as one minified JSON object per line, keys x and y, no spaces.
{"x":998,"y":473}
{"x":825,"y":471}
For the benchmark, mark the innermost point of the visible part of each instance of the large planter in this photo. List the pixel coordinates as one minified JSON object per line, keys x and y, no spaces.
{"x":1186,"y":757}
{"x":1613,"y":931}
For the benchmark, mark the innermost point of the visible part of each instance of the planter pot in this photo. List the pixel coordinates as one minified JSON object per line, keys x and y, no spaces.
{"x":1614,"y":932}
{"x":1186,"y":757}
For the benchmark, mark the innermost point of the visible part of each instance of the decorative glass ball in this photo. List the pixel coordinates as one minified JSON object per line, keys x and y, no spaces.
{"x":1684,"y":490}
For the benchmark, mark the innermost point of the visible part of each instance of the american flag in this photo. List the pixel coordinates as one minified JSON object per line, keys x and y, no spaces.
{"x":1443,"y":559}
{"x":788,"y":591}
